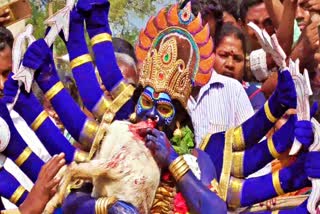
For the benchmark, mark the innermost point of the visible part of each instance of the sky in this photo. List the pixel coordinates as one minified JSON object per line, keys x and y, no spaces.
{"x":140,"y":23}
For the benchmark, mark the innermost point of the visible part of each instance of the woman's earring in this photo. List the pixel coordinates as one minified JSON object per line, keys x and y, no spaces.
{"x":133,"y":117}
{"x":177,"y":132}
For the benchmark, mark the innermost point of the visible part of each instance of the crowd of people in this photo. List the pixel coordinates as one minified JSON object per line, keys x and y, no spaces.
{"x":221,"y":113}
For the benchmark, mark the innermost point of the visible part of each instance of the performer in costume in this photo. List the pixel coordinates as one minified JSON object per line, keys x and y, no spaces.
{"x":181,"y":50}
{"x":37,"y":50}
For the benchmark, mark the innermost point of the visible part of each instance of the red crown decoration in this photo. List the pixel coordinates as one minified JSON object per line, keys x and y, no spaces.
{"x":176,"y":52}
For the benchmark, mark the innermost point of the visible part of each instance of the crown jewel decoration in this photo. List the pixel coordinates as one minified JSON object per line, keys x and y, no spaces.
{"x":176,"y":52}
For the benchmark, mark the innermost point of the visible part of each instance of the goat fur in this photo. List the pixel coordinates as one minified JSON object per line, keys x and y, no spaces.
{"x":123,"y":167}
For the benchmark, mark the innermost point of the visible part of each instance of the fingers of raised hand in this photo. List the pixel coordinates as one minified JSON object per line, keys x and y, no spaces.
{"x":312,"y":165}
{"x":304,"y":133}
{"x":51,"y":168}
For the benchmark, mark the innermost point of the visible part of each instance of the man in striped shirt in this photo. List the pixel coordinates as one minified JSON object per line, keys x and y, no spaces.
{"x":217,"y":106}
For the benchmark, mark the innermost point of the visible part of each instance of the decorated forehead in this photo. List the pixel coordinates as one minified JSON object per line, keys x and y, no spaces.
{"x":176,"y":40}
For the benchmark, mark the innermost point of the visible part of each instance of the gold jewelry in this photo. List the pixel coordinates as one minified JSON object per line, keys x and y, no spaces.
{"x":102,"y":37}
{"x":23,"y":156}
{"x":276,"y":183}
{"x":227,"y":164}
{"x":268,"y":113}
{"x":179,"y":168}
{"x":118,"y":102}
{"x":101,"y":106}
{"x":165,"y":72}
{"x":119,"y":89}
{"x":177,"y":132}
{"x":80,"y":156}
{"x":275,"y":212}
{"x":11,"y":211}
{"x":17,"y":194}
{"x":133,"y":117}
{"x":234,"y":192}
{"x":204,"y":142}
{"x":238,"y":144}
{"x":237,"y":164}
{"x":39,"y":120}
{"x":102,"y":204}
{"x":274,"y":153}
{"x":88,"y":132}
{"x":54,"y":90}
{"x":215,"y":187}
{"x":80,"y":60}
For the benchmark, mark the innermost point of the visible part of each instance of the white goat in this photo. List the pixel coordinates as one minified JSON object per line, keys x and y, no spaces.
{"x":123,"y":167}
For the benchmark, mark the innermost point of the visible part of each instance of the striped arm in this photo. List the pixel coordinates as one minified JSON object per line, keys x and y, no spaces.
{"x":83,"y":68}
{"x":48,"y":133}
{"x":101,"y":41}
{"x":244,"y":192}
{"x":18,"y":151}
{"x":75,"y":121}
{"x":88,"y":86}
{"x":11,"y":189}
{"x":251,"y":160}
{"x":262,"y":121}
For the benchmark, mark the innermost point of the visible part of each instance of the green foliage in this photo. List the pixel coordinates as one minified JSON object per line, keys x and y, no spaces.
{"x":183,"y":142}
{"x":39,"y":15}
{"x":121,"y":13}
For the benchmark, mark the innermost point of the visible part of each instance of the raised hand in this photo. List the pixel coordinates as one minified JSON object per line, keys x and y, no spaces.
{"x":304,"y":133}
{"x":39,"y":57}
{"x":160,"y":147}
{"x":45,"y":186}
{"x":283,"y":138}
{"x":311,"y":5}
{"x":285,"y":91}
{"x":285,"y":96}
{"x":312,"y":165}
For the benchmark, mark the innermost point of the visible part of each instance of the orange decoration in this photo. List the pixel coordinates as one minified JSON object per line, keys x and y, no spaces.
{"x":206,"y":50}
{"x":202,"y":78}
{"x":160,"y":20}
{"x":206,"y":64}
{"x":172,"y":16}
{"x":196,"y":25}
{"x":144,"y":40}
{"x":151,"y":30}
{"x":203,"y":36}
{"x":140,"y":53}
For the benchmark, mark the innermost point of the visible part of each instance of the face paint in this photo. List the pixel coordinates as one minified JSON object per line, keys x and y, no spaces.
{"x":157,"y":106}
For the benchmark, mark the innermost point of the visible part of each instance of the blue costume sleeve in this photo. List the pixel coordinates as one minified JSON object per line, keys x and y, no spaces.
{"x":37,"y":118}
{"x":38,"y":57}
{"x":96,"y":16}
{"x":226,"y":163}
{"x":263,"y":120}
{"x":11,"y":189}
{"x":17,"y":150}
{"x":256,"y":97}
{"x":243,"y":193}
{"x":81,"y":202}
{"x":83,"y":68}
{"x":254,"y":158}
{"x":100,"y":34}
{"x":199,"y":197}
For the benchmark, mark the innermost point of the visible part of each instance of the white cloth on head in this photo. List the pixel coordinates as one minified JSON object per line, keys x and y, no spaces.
{"x":221,"y":104}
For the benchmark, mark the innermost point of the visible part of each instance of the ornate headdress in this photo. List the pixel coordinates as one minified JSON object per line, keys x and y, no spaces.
{"x":176,"y":52}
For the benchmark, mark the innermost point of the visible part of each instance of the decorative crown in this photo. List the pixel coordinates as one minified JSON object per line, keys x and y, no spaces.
{"x":176,"y":52}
